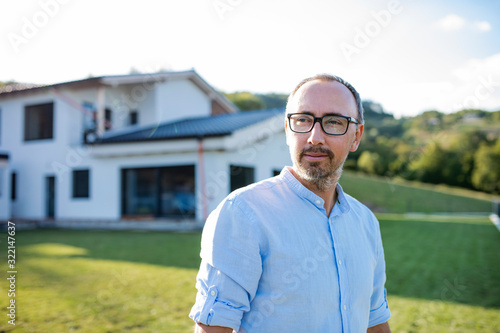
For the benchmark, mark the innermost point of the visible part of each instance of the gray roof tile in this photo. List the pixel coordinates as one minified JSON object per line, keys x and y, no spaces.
{"x":199,"y":127}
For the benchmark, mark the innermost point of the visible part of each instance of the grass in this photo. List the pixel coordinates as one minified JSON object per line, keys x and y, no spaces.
{"x":443,"y":276}
{"x":97,"y":281}
{"x":390,"y":196}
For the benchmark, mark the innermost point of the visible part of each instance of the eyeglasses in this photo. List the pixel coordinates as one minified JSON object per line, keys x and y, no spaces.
{"x":332,"y":125}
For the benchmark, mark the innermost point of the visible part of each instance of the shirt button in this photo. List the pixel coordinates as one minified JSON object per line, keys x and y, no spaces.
{"x":212,"y":293}
{"x":340,"y":262}
{"x":345,"y":307}
{"x":318,"y":202}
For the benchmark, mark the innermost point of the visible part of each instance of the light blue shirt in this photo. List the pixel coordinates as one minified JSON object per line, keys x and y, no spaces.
{"x":273,"y":261}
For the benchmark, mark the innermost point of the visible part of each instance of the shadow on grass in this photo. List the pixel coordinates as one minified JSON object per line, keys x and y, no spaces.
{"x":449,"y":261}
{"x":156,"y":248}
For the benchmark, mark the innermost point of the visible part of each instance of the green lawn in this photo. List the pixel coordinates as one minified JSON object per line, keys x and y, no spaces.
{"x":398,"y":196}
{"x":97,"y":281}
{"x":443,"y":276}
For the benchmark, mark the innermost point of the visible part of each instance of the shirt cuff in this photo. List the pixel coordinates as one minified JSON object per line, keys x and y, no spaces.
{"x":210,"y":311}
{"x":380,"y":315}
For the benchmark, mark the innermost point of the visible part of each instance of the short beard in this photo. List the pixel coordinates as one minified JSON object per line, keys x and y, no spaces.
{"x":322,"y":179}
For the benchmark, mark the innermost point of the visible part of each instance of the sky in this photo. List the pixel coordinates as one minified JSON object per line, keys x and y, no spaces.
{"x":408,"y":55}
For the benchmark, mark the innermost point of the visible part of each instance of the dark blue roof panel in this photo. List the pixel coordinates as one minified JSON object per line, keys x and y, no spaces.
{"x":199,"y":127}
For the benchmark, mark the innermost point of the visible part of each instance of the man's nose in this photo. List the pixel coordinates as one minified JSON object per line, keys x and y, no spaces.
{"x":316,"y":136}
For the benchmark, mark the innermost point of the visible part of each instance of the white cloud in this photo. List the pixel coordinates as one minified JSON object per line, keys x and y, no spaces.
{"x":473,"y":85}
{"x":451,"y":22}
{"x":454,"y":22}
{"x":483,"y":26}
{"x":477,"y":85}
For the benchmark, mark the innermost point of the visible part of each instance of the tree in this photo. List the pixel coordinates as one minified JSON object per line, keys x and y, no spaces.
{"x":371,"y":163}
{"x":6,"y":83}
{"x":464,"y":147}
{"x":486,"y":173}
{"x":428,"y":167}
{"x":273,"y":100}
{"x":245,"y":100}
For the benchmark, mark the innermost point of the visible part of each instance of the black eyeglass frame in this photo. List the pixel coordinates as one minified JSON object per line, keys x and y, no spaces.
{"x":320,"y":121}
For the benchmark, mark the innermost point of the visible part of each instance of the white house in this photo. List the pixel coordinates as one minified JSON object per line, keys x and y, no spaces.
{"x":142,"y":146}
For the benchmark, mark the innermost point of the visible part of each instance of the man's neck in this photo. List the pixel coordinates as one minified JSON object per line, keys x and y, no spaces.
{"x":329,"y":195}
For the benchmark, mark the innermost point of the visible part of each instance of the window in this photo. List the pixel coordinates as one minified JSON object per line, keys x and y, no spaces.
{"x":13,"y":186}
{"x":38,"y":122}
{"x":134,"y":117}
{"x":159,"y":191}
{"x":89,"y":116}
{"x":107,"y":119}
{"x":241,"y":176}
{"x":81,"y":183}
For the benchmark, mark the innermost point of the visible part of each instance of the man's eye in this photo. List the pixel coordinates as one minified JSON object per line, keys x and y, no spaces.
{"x":333,"y":122}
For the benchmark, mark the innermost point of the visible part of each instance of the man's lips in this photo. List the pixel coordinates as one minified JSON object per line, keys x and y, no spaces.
{"x":315,"y":156}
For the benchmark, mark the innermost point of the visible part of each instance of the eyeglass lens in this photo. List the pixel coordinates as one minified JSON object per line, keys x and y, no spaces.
{"x":331,"y":124}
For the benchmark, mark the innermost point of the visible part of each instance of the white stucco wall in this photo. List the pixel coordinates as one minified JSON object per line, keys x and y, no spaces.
{"x":29,"y":160}
{"x":105,"y":184}
{"x":121,"y":100}
{"x":179,"y":99}
{"x":265,"y":156}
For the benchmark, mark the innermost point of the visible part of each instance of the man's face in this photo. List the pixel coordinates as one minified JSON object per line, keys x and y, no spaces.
{"x":318,"y":157}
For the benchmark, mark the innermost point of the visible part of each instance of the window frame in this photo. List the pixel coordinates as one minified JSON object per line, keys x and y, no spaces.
{"x":133,"y":117}
{"x":247,"y":171}
{"x":76,"y":192}
{"x":13,"y":186}
{"x":39,"y":127}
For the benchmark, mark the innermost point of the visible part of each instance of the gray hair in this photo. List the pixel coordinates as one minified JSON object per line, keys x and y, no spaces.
{"x":330,"y":78}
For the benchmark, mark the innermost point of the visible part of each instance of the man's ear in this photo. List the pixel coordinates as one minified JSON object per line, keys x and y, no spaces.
{"x":357,"y":138}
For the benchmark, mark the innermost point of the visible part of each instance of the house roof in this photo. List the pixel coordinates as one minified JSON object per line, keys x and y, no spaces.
{"x":199,"y":127}
{"x":17,"y":89}
{"x":18,"y":86}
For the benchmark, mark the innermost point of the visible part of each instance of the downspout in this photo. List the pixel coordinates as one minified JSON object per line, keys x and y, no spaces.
{"x":201,"y":165}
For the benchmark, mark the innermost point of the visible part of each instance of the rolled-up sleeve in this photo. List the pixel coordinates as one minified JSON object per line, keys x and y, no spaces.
{"x":379,"y":308}
{"x":230,"y":269}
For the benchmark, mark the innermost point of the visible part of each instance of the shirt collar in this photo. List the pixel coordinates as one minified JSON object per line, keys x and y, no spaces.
{"x":340,"y":207}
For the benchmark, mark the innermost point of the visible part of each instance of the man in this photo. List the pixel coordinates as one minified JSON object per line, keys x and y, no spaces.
{"x":294,"y":253}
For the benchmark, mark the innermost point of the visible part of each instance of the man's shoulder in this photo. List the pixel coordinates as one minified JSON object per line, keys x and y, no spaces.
{"x":259,"y":196}
{"x":358,"y":207}
{"x":257,"y":190}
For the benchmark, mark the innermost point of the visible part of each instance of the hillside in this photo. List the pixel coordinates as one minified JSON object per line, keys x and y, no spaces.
{"x":384,"y":195}
{"x":459,"y":149}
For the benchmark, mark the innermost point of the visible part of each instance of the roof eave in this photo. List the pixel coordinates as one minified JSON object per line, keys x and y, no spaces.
{"x":187,"y":137}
